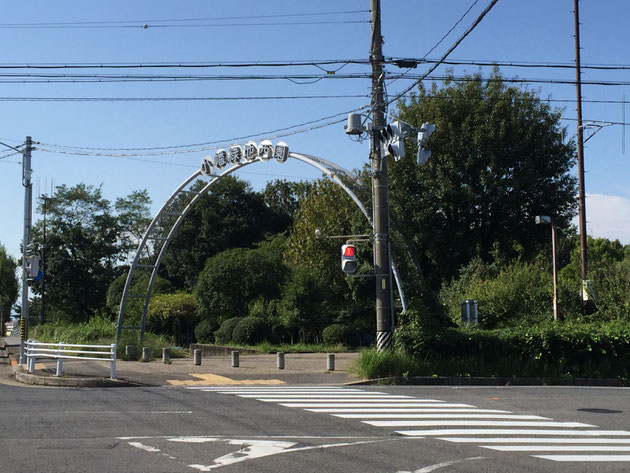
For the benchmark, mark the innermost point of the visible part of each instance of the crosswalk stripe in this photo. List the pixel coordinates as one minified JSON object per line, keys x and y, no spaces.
{"x":377,"y":410}
{"x":404,"y":415}
{"x":558,"y":448}
{"x":361,"y":397}
{"x":367,"y":404}
{"x":492,"y":423}
{"x":585,"y":458}
{"x":596,"y":440}
{"x":447,"y":432}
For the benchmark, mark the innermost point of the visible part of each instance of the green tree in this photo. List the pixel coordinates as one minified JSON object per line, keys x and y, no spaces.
{"x":9,"y":285}
{"x":232,"y":215}
{"x":233,"y":279}
{"x":499,"y":159}
{"x":285,"y":196}
{"x":85,"y":243}
{"x":174,"y":315}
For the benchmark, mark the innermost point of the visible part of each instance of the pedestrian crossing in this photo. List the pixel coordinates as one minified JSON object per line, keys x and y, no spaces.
{"x":492,"y":429}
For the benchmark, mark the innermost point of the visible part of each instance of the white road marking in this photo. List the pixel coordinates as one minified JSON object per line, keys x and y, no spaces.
{"x":476,"y":423}
{"x":393,"y":403}
{"x":128,"y":412}
{"x":404,"y":409}
{"x":535,"y":440}
{"x":147,"y":448}
{"x":585,"y":458}
{"x":558,"y":448}
{"x":438,"y":416}
{"x":351,"y":396}
{"x":437,"y":466}
{"x":445,"y":432}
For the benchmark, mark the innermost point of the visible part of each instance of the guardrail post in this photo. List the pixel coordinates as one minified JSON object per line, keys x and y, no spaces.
{"x":280,"y":361}
{"x":166,"y":355}
{"x":60,"y":360}
{"x":235,"y":359}
{"x":29,"y":365}
{"x":330,"y":362}
{"x":197,"y":356}
{"x":112,"y":372}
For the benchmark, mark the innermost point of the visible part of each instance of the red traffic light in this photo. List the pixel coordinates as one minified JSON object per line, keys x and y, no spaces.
{"x":348,"y":250}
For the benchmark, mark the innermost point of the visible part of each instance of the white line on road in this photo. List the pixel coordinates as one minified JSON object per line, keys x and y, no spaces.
{"x":444,"y":432}
{"x":558,"y":448}
{"x":534,"y":440}
{"x":349,"y":396}
{"x":367,"y":404}
{"x":437,"y":466}
{"x":497,"y":423}
{"x":404,"y":409}
{"x":439,"y":416}
{"x":585,"y":458}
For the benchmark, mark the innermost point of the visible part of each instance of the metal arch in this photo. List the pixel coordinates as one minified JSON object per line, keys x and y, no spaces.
{"x":164,"y":225}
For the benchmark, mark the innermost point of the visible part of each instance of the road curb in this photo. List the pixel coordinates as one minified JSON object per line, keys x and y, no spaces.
{"x":480,"y":381}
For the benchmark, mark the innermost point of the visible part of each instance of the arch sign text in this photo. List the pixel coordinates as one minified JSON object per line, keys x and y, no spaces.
{"x":237,"y":154}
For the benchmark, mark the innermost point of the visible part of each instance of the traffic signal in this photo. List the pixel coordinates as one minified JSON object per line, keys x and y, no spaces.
{"x":32,"y":266}
{"x":391,"y":140}
{"x":348,"y":259}
{"x":424,"y":132}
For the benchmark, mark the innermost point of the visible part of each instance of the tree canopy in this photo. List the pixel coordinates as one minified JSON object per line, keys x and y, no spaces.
{"x":9,"y":285}
{"x":498,"y":159}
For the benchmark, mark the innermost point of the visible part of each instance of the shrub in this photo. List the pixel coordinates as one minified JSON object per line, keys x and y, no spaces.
{"x":250,"y":331}
{"x":225,"y":332}
{"x":337,"y":333}
{"x":204,"y":331}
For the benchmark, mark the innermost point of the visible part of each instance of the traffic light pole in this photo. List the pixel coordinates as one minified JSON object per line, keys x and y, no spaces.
{"x":382,"y":267}
{"x":28,"y":197}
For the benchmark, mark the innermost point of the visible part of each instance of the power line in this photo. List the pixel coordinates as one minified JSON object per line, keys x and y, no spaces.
{"x":452,"y":28}
{"x":201,"y":65}
{"x":178,"y":99}
{"x":174,"y":20}
{"x":547,"y":65}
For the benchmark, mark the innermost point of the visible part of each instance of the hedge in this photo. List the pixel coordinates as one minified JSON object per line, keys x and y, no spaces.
{"x":552,"y":350}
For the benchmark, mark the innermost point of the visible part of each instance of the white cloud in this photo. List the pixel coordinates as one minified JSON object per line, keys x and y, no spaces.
{"x":608,"y":216}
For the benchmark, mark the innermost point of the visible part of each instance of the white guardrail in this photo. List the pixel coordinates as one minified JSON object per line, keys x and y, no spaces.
{"x":68,"y":351}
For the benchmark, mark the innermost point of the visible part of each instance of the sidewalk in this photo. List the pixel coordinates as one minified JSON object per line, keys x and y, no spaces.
{"x":300,"y":369}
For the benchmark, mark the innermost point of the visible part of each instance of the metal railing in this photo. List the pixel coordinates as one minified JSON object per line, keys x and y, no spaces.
{"x":68,"y":351}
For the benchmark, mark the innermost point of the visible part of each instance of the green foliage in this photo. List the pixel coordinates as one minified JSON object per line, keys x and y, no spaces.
{"x":267,"y":347}
{"x":338,"y":334}
{"x":8,"y":285}
{"x":223,"y":336}
{"x":233,"y":279}
{"x":173,"y":314}
{"x":372,"y":364}
{"x":204,"y":331}
{"x":250,"y":331}
{"x":134,"y":307}
{"x":306,"y":305}
{"x":546,"y":350}
{"x":285,"y":196}
{"x":498,"y":160}
{"x":231,"y":216}
{"x":86,"y":240}
{"x":518,"y":293}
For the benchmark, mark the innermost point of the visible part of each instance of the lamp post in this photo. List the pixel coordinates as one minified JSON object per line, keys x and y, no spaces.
{"x":545,"y":219}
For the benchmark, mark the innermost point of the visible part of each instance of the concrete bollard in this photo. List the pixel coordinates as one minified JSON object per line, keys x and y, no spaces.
{"x":235,"y":359}
{"x":146,"y":354}
{"x":166,"y":355}
{"x":280,"y":360}
{"x":197,"y":356}
{"x":60,"y":361}
{"x":330,"y":362}
{"x":131,"y":352}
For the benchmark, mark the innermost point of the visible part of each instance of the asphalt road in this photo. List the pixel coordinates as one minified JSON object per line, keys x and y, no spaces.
{"x":288,"y":429}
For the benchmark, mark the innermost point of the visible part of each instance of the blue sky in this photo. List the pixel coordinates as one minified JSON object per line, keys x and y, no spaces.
{"x":536,"y":31}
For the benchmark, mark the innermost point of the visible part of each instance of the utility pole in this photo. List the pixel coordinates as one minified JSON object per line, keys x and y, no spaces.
{"x":382,"y":265}
{"x":580,"y":153}
{"x":28,"y":197}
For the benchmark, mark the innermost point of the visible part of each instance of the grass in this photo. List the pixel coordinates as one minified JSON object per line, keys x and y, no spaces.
{"x":102,"y":331}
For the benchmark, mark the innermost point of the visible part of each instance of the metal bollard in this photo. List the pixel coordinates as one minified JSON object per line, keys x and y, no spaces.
{"x":235,"y":359}
{"x":166,"y":355}
{"x":330,"y":362}
{"x":280,"y":360}
{"x":60,"y":361}
{"x":197,"y":356}
{"x":146,"y":354}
